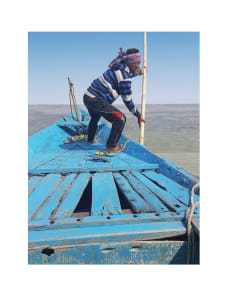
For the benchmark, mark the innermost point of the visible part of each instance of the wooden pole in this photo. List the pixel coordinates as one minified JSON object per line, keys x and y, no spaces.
{"x":142,"y":127}
{"x":73,"y":98}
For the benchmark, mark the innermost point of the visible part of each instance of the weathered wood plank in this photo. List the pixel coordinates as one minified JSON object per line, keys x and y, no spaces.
{"x":144,"y":192}
{"x":138,"y":204}
{"x":132,"y":252}
{"x":42,"y":192}
{"x":33,"y":182}
{"x":50,"y":204}
{"x":105,"y":199}
{"x":72,"y":199}
{"x":42,"y":159}
{"x":65,"y":163}
{"x":61,"y":159}
{"x":168,"y":199}
{"x":46,"y":141}
{"x":84,"y":221}
{"x":106,"y":233}
{"x":92,"y":168}
{"x":175,"y":189}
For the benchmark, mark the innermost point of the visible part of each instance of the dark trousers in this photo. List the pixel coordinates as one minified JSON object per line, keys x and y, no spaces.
{"x":97,"y":108}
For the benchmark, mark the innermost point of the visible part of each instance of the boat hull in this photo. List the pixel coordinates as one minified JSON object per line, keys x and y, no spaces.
{"x":126,"y":209}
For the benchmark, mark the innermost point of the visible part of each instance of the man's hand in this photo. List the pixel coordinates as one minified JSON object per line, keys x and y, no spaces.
{"x":142,"y":69}
{"x":140,"y":120}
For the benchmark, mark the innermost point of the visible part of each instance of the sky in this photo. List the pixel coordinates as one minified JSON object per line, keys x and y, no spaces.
{"x":172,"y":61}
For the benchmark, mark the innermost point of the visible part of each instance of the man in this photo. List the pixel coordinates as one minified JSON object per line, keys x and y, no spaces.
{"x":105,"y":90}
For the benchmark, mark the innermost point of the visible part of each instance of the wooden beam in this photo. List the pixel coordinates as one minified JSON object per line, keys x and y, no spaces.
{"x":105,"y":199}
{"x":106,"y":233}
{"x":131,"y":252}
{"x":79,"y":221}
{"x":47,"y":207}
{"x":145,"y":193}
{"x":41,"y":193}
{"x":169,"y":200}
{"x":94,"y":168}
{"x":73,"y":197}
{"x":172,"y":187}
{"x":33,"y":182}
{"x":137,"y":202}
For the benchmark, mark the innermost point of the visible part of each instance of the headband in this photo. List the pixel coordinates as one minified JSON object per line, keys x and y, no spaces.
{"x":123,"y":56}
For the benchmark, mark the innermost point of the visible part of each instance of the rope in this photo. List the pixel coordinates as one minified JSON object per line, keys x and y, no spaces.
{"x":190,"y":234}
{"x":127,"y":141}
{"x":79,"y":137}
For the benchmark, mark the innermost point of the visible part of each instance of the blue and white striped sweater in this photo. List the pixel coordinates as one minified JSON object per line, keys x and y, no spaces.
{"x":114,"y":82}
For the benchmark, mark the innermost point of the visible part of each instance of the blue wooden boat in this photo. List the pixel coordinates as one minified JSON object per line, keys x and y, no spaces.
{"x":129,"y":208}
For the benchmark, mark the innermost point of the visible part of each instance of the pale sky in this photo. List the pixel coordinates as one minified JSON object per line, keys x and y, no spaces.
{"x":172,"y":60}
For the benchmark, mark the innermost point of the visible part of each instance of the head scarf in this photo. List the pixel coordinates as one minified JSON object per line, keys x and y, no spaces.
{"x":124,"y":57}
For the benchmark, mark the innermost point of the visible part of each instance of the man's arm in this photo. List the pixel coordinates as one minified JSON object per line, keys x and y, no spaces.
{"x":124,"y":89}
{"x":126,"y":94}
{"x":132,"y":108}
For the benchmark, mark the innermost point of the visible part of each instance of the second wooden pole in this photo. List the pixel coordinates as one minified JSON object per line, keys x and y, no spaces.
{"x":141,"y":138}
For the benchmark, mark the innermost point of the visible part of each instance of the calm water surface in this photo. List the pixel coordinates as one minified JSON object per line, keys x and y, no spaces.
{"x":171,"y":131}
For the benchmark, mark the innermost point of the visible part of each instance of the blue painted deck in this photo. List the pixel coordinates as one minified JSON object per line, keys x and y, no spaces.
{"x":80,"y":205}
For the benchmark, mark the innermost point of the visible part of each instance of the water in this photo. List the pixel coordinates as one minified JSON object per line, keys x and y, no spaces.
{"x":171,"y":131}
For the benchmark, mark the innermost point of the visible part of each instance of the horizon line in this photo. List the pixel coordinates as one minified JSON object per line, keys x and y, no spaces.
{"x":120,"y":104}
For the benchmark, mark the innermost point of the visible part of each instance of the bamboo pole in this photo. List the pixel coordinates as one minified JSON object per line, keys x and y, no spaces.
{"x":142,"y":127}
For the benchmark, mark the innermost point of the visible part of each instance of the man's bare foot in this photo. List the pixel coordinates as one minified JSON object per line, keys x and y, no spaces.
{"x":68,"y":141}
{"x":117,"y":148}
{"x":94,"y":141}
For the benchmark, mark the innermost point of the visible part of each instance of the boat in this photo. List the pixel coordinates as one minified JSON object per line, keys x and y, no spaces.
{"x":86,"y":206}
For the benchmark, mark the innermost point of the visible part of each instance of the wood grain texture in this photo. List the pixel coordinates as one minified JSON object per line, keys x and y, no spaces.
{"x":41,"y":193}
{"x":145,"y":193}
{"x":33,"y":182}
{"x":72,"y":166}
{"x":89,"y":221}
{"x":45,"y":210}
{"x":138,"y":204}
{"x":106,"y":233}
{"x":170,"y":201}
{"x":173,"y":188}
{"x":132,"y":252}
{"x":73,"y":196}
{"x":105,"y":199}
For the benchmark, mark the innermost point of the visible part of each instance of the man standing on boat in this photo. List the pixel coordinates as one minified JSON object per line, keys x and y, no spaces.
{"x":105,"y":90}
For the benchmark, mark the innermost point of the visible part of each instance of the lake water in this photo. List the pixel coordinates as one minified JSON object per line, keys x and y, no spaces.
{"x":171,"y":131}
